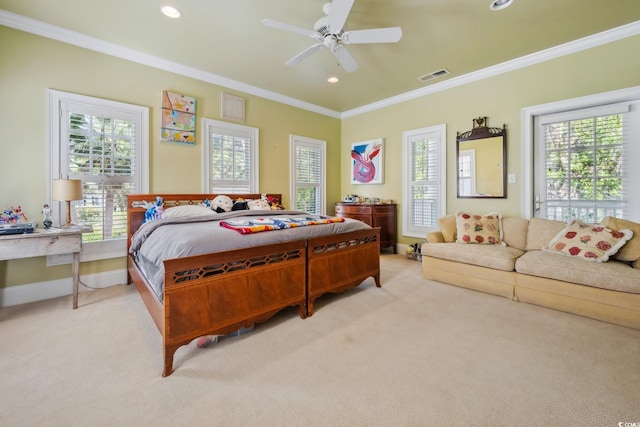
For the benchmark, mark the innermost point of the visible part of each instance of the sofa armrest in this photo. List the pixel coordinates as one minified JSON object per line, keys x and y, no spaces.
{"x":435,"y":237}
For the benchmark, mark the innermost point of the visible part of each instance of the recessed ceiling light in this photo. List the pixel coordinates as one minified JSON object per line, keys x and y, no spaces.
{"x":333,"y":80}
{"x":171,"y":11}
{"x":500,"y":4}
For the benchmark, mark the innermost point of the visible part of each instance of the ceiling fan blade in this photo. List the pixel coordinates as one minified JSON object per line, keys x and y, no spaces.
{"x":338,"y":13}
{"x":288,"y":27}
{"x":378,"y":35}
{"x":345,"y":59}
{"x":305,"y":53}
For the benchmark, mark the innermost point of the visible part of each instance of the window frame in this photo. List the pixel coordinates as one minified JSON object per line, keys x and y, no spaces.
{"x":438,"y":132}
{"x":528,"y":116}
{"x":294,"y":142}
{"x":57,"y":100}
{"x":211,"y":126}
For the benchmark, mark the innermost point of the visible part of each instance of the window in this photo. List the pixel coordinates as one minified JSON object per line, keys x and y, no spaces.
{"x":308,"y":174}
{"x":230,"y":158}
{"x":424,"y":181}
{"x":583,"y":153}
{"x":104,"y":144}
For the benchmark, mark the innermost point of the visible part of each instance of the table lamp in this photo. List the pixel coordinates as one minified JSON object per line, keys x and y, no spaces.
{"x":66,"y":190}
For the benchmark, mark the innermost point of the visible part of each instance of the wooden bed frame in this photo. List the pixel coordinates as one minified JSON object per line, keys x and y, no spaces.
{"x":221,"y":292}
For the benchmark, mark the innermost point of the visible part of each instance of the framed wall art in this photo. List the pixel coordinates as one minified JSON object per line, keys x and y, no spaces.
{"x":367,"y":162}
{"x":178,"y":118}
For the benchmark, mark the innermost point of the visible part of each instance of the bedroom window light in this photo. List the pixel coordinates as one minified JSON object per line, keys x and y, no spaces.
{"x":582,"y":163}
{"x":308,"y":182}
{"x":230,"y":158}
{"x":104,"y":144}
{"x":424,"y":180}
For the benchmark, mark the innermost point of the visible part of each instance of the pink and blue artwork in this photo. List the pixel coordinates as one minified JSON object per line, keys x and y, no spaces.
{"x":367,"y":162}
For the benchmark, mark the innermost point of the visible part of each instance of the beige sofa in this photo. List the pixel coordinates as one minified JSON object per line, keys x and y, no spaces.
{"x":522,"y":271}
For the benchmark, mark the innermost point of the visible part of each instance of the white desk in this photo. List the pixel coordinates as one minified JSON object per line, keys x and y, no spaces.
{"x":46,"y":242}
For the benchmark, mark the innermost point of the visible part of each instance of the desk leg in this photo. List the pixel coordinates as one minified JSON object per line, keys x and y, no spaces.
{"x":76,"y":277}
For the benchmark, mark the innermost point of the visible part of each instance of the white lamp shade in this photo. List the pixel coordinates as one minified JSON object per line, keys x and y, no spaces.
{"x":66,"y":189}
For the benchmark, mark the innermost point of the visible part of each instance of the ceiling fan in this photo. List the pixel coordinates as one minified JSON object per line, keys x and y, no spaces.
{"x":329,"y":31}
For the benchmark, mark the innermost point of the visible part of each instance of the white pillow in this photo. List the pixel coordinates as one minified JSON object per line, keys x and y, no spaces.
{"x":186,"y":210}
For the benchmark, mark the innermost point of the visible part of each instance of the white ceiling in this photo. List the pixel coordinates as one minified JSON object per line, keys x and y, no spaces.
{"x":225,"y":41}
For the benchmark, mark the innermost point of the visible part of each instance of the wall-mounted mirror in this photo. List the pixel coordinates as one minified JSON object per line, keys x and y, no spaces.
{"x":482,"y":161}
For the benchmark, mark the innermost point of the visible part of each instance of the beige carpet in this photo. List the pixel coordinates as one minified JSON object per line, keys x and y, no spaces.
{"x":412,"y":353}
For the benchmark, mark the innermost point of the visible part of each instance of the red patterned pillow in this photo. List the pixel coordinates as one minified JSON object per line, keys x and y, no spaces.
{"x":480,"y":229}
{"x":590,"y":242}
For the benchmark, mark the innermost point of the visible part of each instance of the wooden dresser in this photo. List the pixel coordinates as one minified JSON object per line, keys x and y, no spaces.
{"x":381,"y":215}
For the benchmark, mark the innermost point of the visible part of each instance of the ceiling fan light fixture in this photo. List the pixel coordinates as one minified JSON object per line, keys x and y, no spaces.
{"x":171,"y":12}
{"x":500,"y":4}
{"x":333,"y":79}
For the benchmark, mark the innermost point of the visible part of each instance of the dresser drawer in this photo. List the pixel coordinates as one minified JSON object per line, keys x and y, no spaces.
{"x":353,"y":210}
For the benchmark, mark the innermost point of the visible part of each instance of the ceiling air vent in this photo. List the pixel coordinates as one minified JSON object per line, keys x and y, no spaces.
{"x":435,"y":74}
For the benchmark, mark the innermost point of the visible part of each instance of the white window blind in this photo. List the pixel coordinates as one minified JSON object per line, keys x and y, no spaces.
{"x":308,"y":172}
{"x":424,"y":180}
{"x":104,"y":144}
{"x":101,"y":153}
{"x":582,"y":168}
{"x":231,"y":158}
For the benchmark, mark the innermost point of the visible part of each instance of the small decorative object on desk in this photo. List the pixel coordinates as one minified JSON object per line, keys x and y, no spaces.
{"x":46,"y":216}
{"x":351,"y":198}
{"x":12,"y":215}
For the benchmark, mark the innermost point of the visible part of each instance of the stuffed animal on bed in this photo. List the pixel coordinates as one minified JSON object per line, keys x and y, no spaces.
{"x":222,"y":203}
{"x":261,"y":205}
{"x":239,"y":205}
{"x":154,"y":210}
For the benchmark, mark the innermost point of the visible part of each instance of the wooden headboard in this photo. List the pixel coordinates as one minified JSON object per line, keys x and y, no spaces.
{"x":135,"y":210}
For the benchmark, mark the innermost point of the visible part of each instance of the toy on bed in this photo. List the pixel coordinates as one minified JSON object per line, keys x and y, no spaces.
{"x":222,"y":203}
{"x":154,"y":210}
{"x":258,"y":205}
{"x":239,"y":205}
{"x":275,"y":204}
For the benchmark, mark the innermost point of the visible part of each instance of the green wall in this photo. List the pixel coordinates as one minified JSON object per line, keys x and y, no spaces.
{"x":29,"y":65}
{"x":501,"y":99}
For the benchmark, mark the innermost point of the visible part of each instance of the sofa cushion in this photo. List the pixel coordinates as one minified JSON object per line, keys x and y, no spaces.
{"x":480,"y":229}
{"x":447,"y":225}
{"x":541,"y":231}
{"x":514,"y":232}
{"x":631,"y":250}
{"x":491,"y":256}
{"x":612,"y":275}
{"x":588,"y":242}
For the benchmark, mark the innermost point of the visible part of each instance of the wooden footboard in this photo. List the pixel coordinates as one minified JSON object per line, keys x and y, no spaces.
{"x":218,"y":293}
{"x":340,"y":262}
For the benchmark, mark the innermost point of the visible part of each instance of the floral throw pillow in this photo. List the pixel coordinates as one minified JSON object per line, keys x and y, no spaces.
{"x":480,"y":229}
{"x":590,"y":242}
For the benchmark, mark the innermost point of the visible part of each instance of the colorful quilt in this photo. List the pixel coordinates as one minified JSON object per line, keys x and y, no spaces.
{"x":256,"y":225}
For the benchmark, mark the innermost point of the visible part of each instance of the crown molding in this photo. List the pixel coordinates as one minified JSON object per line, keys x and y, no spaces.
{"x":43,"y":29}
{"x":584,"y":43}
{"x":53,"y":32}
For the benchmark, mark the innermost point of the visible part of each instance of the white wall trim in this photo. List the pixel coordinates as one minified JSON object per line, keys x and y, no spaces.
{"x":584,"y":43}
{"x":31,"y":292}
{"x":43,"y":29}
{"x":40,"y":28}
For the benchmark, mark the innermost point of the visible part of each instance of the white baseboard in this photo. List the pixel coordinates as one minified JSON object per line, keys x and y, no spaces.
{"x":14,"y":295}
